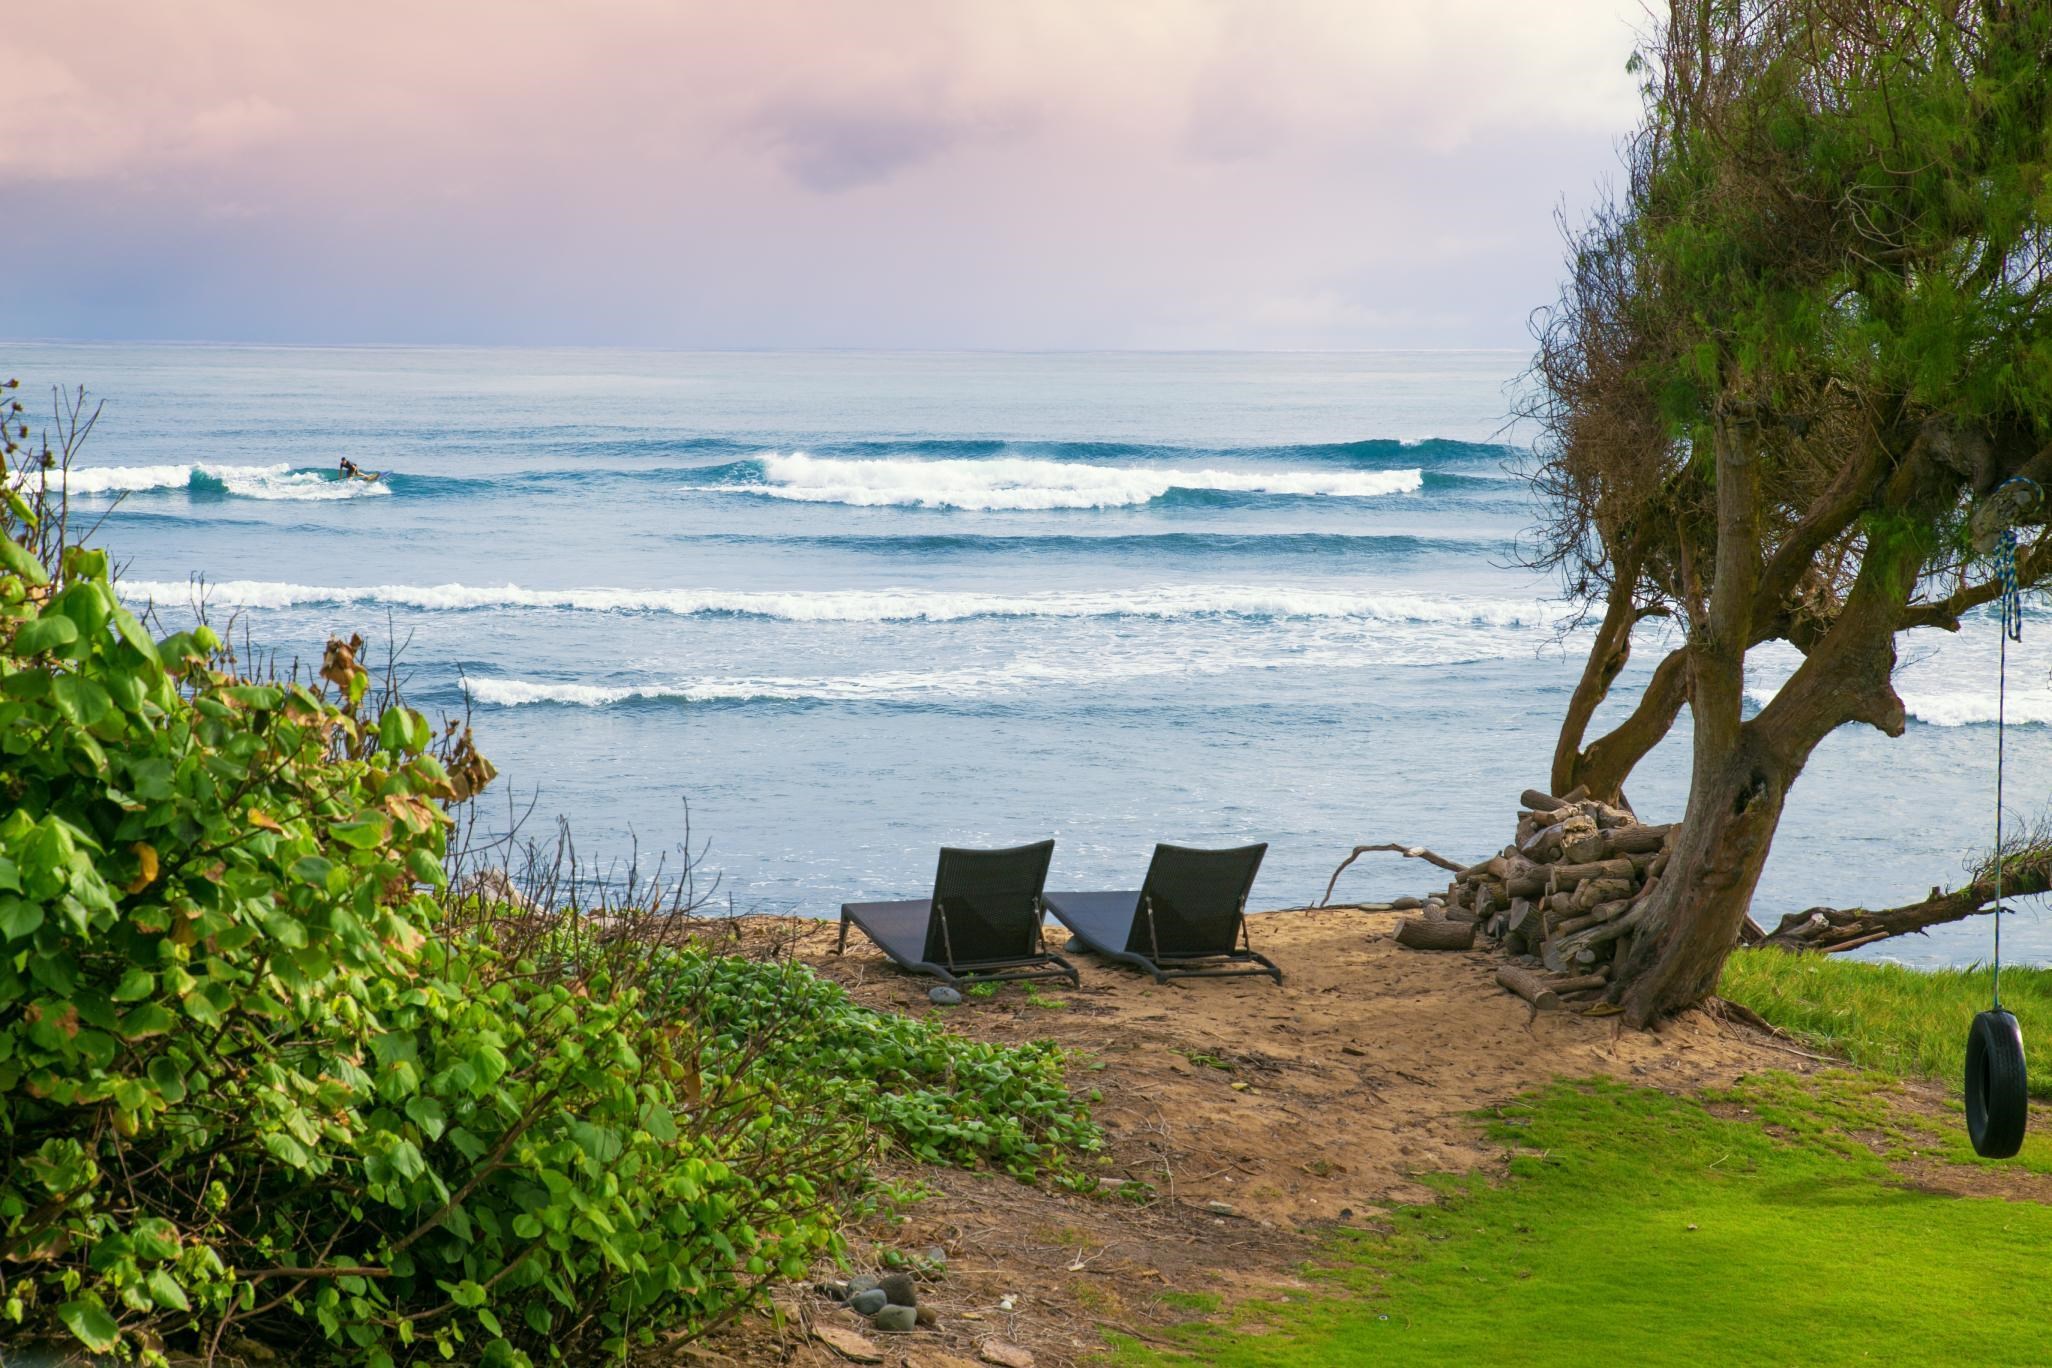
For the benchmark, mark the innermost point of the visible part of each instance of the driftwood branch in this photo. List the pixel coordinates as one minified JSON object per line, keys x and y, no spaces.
{"x":2026,"y":871}
{"x":1410,"y":852}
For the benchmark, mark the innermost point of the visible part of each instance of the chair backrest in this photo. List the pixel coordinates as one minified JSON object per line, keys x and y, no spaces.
{"x":1196,"y":898}
{"x":986,"y":904}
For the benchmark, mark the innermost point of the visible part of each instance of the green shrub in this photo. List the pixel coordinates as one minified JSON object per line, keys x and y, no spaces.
{"x":944,"y":1098}
{"x":258,"y":1081}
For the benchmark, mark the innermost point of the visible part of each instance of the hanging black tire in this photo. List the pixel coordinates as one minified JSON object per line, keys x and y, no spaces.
{"x":1997,"y":1100}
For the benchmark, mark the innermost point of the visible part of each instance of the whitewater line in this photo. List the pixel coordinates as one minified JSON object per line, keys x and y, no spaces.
{"x":1025,"y":484}
{"x":880,"y":605}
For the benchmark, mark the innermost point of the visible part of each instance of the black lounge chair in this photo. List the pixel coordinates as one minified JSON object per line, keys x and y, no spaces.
{"x":982,"y":922}
{"x":1188,"y":920}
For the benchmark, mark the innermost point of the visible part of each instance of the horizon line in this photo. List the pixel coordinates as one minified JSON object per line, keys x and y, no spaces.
{"x":750,"y":350}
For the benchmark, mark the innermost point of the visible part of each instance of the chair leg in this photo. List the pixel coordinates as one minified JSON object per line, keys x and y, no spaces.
{"x":841,"y":947}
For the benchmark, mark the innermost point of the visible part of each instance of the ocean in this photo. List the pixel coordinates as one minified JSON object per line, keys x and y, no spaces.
{"x":840,"y":609}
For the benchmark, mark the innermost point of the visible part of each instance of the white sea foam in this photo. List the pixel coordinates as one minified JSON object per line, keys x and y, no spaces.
{"x":1016,"y":483}
{"x":872,"y":688}
{"x":882,"y":605}
{"x":1069,"y":673}
{"x":242,"y":481}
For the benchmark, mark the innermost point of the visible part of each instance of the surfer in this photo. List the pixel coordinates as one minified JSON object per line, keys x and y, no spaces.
{"x":350,"y":472}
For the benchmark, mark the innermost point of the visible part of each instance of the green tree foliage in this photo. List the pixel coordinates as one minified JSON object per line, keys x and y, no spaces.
{"x":258,"y":1080}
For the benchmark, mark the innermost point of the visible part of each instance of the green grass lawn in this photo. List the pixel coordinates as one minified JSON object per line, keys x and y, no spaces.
{"x":1642,"y":1229}
{"x":1906,"y":1021}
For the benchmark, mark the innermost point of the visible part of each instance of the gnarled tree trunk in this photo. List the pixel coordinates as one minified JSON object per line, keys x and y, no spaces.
{"x":1609,"y":760}
{"x":1743,"y":768}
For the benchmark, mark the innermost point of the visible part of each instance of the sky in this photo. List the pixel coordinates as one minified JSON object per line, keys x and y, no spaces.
{"x":1011,"y":174}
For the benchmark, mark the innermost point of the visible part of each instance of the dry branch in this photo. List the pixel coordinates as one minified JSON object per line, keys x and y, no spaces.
{"x":1409,"y":852}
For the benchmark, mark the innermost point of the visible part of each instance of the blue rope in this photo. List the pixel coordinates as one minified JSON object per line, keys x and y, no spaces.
{"x":2012,"y":591}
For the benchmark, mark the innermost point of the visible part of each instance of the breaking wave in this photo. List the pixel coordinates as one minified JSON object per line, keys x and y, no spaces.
{"x":1017,"y":483}
{"x":880,"y":605}
{"x":269,"y":482}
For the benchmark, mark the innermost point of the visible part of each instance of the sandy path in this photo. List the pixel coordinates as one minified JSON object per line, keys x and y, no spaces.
{"x":1339,"y":1088}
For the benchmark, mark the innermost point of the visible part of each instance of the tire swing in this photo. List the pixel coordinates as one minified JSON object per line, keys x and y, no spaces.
{"x":1997,"y":1099}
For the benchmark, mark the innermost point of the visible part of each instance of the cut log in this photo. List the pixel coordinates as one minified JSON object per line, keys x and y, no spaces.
{"x":1520,"y":912}
{"x":1528,"y":986}
{"x":1526,"y":879}
{"x":1570,"y":925}
{"x":1581,"y":983}
{"x":1568,"y":875}
{"x":1637,"y":840}
{"x":1592,"y":937}
{"x":1583,"y":846}
{"x":1597,"y":891}
{"x":1544,"y":844}
{"x":1419,"y":934}
{"x":1542,"y":802}
{"x":1608,"y":818}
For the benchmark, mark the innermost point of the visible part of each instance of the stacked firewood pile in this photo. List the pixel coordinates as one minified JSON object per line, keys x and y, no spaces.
{"x":1563,"y":898}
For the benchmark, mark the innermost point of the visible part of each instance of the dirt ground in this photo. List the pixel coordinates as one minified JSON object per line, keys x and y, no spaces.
{"x":1259,"y":1115}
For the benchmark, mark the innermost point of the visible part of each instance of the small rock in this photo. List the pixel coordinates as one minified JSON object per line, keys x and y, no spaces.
{"x":945,"y":996}
{"x":936,"y":1258}
{"x":863,"y":1283}
{"x":895,"y":1318}
{"x":1004,"y":1354}
{"x":926,"y":1315}
{"x":847,"y":1344}
{"x":1073,"y":946}
{"x":1219,"y":1208}
{"x":832,"y":1291}
{"x":1404,"y":904}
{"x":897,"y":1289}
{"x":870,"y":1302}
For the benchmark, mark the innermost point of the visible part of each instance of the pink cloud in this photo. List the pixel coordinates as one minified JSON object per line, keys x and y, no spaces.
{"x":893,"y":172}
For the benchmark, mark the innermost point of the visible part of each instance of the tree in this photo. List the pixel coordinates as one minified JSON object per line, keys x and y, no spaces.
{"x":1801,"y":375}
